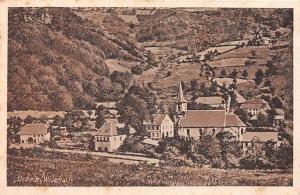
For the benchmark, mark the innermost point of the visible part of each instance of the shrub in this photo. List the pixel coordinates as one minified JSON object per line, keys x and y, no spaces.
{"x":13,"y":151}
{"x":137,"y":70}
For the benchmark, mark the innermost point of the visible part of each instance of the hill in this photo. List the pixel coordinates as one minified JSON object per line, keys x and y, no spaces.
{"x":57,"y":59}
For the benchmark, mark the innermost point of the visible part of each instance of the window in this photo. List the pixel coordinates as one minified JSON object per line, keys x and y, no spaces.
{"x":200,"y":133}
{"x":42,"y":135}
{"x":188,"y":133}
{"x":213,"y":131}
{"x":157,"y":134}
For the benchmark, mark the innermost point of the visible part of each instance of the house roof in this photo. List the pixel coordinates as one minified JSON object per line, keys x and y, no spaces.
{"x":253,"y":104}
{"x":279,"y":111}
{"x":109,"y":128}
{"x":157,"y":120}
{"x":260,"y":136}
{"x":233,"y":120}
{"x":34,"y":129}
{"x":180,"y":97}
{"x":209,"y":100}
{"x":203,"y":118}
{"x":239,"y":98}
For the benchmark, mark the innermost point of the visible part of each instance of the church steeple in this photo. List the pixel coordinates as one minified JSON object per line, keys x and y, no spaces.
{"x":181,"y":103}
{"x":180,"y":97}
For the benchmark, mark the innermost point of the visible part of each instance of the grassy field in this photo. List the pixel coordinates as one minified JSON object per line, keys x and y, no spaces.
{"x":23,"y":171}
{"x":262,"y":52}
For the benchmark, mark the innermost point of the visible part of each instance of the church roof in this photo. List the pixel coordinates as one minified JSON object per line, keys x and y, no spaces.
{"x":210,"y":118}
{"x":203,"y":118}
{"x":233,"y":120}
{"x":180,"y":97}
{"x":209,"y":100}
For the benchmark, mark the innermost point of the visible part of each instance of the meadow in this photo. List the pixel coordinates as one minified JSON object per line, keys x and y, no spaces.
{"x":24,"y":171}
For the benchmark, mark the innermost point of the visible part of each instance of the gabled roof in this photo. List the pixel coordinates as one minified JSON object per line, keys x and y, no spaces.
{"x":260,"y":136}
{"x":233,"y":120}
{"x":239,"y":98}
{"x":279,"y":111}
{"x":253,"y":104}
{"x":180,"y":97}
{"x":157,"y":120}
{"x":109,"y":128}
{"x":203,"y":118}
{"x":34,"y":129}
{"x":209,"y":100}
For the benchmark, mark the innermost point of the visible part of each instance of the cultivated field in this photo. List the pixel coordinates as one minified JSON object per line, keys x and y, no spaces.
{"x":56,"y":172}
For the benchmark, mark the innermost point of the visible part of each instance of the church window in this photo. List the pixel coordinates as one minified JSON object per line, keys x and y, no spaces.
{"x":188,"y":133}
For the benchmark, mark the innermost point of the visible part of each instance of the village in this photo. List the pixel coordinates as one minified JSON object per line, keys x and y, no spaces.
{"x":131,"y":94}
{"x":251,"y":122}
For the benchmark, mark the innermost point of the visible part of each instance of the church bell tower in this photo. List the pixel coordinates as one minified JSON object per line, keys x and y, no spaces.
{"x":181,"y":103}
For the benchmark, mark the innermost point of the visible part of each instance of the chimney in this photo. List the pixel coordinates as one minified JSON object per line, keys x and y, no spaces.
{"x":228,"y":104}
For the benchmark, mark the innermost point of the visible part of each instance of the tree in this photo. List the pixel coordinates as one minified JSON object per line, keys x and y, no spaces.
{"x":137,"y":70}
{"x":29,"y":119}
{"x":261,"y":121}
{"x":274,"y":24}
{"x":233,"y":74}
{"x":245,"y":73}
{"x":194,"y":84}
{"x":259,"y":76}
{"x":223,"y":73}
{"x":122,"y":78}
{"x":100,"y":116}
{"x":244,"y":115}
{"x":276,"y":102}
{"x":91,"y":146}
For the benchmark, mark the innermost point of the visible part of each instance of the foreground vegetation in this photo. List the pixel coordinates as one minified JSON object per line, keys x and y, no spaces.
{"x":91,"y":172}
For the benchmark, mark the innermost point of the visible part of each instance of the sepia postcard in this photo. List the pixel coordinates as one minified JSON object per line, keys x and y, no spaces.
{"x":145,"y":95}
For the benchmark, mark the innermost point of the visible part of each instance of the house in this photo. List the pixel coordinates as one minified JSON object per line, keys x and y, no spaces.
{"x":107,"y":138}
{"x":252,"y":140}
{"x":198,"y":123}
{"x":35,"y":133}
{"x":279,"y":116}
{"x":212,"y":101}
{"x":160,"y":127}
{"x":255,"y":107}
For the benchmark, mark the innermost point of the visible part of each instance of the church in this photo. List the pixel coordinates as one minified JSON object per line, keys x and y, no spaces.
{"x":198,"y":123}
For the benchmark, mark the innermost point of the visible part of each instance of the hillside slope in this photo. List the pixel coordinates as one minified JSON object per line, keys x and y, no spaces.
{"x":57,"y":60}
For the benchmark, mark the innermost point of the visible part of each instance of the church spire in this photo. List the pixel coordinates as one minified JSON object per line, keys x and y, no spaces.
{"x":180,"y":97}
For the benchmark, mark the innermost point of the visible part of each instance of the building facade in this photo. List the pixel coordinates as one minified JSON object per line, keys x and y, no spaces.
{"x":160,"y":127}
{"x":107,"y":138}
{"x":35,"y":133}
{"x":198,"y":123}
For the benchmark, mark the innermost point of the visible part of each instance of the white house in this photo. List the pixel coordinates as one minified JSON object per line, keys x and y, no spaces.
{"x":160,"y":127}
{"x":255,"y":107}
{"x":253,"y":139}
{"x":107,"y":138}
{"x":35,"y":133}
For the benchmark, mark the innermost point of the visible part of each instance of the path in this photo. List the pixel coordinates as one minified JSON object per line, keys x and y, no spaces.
{"x":121,"y":158}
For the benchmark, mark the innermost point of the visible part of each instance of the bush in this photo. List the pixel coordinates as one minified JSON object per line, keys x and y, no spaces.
{"x":13,"y":151}
{"x":169,"y":73}
{"x":255,"y":162}
{"x":137,"y":70}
